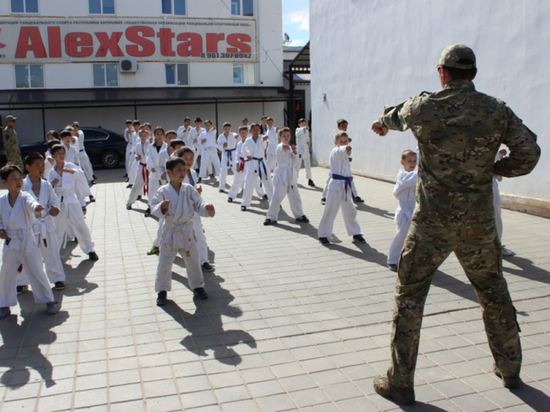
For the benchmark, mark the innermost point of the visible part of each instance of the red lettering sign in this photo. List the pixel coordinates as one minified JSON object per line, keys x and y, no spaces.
{"x":137,"y":34}
{"x":109,"y":44}
{"x":79,"y":44}
{"x":191,"y":46}
{"x":54,"y":41}
{"x":212,"y":40}
{"x":166,"y":36}
{"x":236,"y":40}
{"x":30,"y":40}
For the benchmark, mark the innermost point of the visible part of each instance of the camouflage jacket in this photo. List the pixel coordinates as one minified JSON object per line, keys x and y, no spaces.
{"x":459,"y":132}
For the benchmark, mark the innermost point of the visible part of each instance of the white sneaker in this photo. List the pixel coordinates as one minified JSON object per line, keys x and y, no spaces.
{"x":507,"y":252}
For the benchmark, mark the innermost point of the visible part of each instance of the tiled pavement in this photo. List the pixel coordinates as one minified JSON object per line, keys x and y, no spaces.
{"x":290,"y":324}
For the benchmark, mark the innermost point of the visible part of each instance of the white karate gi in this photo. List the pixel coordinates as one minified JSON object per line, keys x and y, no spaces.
{"x":134,"y":165}
{"x":256,"y":169}
{"x":228,"y":156}
{"x":239,"y":176}
{"x":302,"y":148}
{"x":47,"y":165}
{"x":21,"y":249}
{"x":404,"y":191}
{"x":154,"y":161}
{"x":200,"y":237}
{"x":128,"y":136}
{"x":272,"y":142}
{"x":339,"y":196}
{"x":141,"y":177}
{"x":70,"y":216}
{"x":497,"y":201}
{"x":209,"y":154}
{"x":44,"y":230}
{"x":285,"y":182}
{"x":178,"y":235}
{"x":183,"y":132}
{"x":85,"y":163}
{"x":193,"y":135}
{"x":82,"y":189}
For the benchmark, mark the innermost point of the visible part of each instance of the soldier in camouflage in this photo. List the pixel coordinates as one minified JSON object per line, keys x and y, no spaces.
{"x":459,"y":131}
{"x":11,"y":145}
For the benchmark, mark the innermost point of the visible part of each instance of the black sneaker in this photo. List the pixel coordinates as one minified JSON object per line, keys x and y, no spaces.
{"x":207,"y":267}
{"x":59,"y":285}
{"x":243,"y":208}
{"x":129,"y":186}
{"x":324,"y":241}
{"x":139,"y":197}
{"x":148,"y":212}
{"x":264,"y":197}
{"x":221,"y":191}
{"x":358,"y":239}
{"x":310,"y":183}
{"x":211,"y":175}
{"x":392,"y":267}
{"x":92,"y":199}
{"x":200,"y":293}
{"x":161,"y":298}
{"x":128,"y":207}
{"x":22,"y":289}
{"x":229,"y":200}
{"x":126,"y":175}
{"x":199,"y":180}
{"x":269,"y":222}
{"x":93,"y":256}
{"x":303,"y":219}
{"x":84,"y":209}
{"x":323,"y":201}
{"x":357,"y":199}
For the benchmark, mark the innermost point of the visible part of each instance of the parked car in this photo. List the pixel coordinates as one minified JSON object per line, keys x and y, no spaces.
{"x":104,"y":147}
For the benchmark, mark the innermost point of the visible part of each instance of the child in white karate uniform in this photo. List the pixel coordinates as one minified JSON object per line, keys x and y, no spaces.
{"x":272,"y":142}
{"x":302,"y":147}
{"x":141,"y":179}
{"x":85,"y":163}
{"x":497,"y":201}
{"x":128,"y":136}
{"x":240,"y":170}
{"x":154,"y":165}
{"x":82,"y":189}
{"x":256,"y":170}
{"x":44,"y":226}
{"x":404,"y":191}
{"x":210,"y":157}
{"x":285,"y":181}
{"x":177,"y":202}
{"x":339,"y":195}
{"x":226,"y":145}
{"x":17,"y":212}
{"x":63,"y":177}
{"x":193,"y":139}
{"x":133,"y":164}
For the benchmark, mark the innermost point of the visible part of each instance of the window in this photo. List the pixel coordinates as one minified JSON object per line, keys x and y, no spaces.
{"x":29,"y":75}
{"x":105,"y":75}
{"x":91,"y":134}
{"x":247,"y":8}
{"x":177,"y":74}
{"x":176,"y":7}
{"x":243,"y":73}
{"x":24,"y":6}
{"x":102,"y":6}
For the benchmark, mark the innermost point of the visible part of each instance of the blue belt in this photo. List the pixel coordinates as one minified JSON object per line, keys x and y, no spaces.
{"x":191,"y":181}
{"x":81,"y":150}
{"x":347,"y":179}
{"x":260,"y":165}
{"x":229,"y":155}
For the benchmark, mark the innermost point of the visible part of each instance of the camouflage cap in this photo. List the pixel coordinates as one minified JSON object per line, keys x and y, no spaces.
{"x":10,"y":117}
{"x":458,"y":56}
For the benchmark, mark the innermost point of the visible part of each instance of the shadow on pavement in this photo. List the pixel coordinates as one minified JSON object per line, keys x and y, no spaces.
{"x":206,"y":326}
{"x":536,"y":399}
{"x":526,"y":269}
{"x":76,"y":282}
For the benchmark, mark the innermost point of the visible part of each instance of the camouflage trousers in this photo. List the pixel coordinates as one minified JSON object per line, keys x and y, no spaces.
{"x":13,"y":154}
{"x":478,"y":250}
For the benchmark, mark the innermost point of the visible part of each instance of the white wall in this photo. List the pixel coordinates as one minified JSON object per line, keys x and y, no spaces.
{"x":380,"y":53}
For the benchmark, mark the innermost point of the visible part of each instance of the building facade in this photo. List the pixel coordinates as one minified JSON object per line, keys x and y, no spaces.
{"x":103,"y":61}
{"x":381,"y":53}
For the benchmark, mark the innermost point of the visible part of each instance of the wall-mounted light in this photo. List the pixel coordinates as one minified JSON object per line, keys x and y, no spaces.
{"x":324,"y":97}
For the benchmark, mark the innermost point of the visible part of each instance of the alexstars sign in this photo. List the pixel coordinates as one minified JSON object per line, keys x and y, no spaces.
{"x":31,"y":40}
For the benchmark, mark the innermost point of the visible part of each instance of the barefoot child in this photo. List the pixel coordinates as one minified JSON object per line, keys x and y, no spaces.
{"x":404,"y":190}
{"x":285,"y":181}
{"x":177,"y":202}
{"x":17,"y":212}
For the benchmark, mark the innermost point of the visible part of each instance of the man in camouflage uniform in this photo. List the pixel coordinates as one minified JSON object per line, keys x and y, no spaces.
{"x":11,"y":145}
{"x":459,"y":131}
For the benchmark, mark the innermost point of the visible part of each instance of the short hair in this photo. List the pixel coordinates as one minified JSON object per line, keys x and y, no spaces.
{"x":143,"y":128}
{"x":147,"y":124}
{"x":128,"y":121}
{"x":76,"y":124}
{"x":341,"y":121}
{"x":407,"y":153}
{"x":339,"y":134}
{"x":283,"y":130}
{"x":53,"y":133}
{"x":269,"y":118}
{"x":56,"y":148}
{"x":264,"y":117}
{"x":65,"y":133}
{"x":171,"y":132}
{"x":176,"y":142}
{"x":136,"y":122}
{"x":29,"y":160}
{"x":187,"y":118}
{"x":180,"y":152}
{"x":69,"y":128}
{"x":254,"y":124}
{"x":461,"y":74}
{"x":245,"y":120}
{"x":8,"y":169}
{"x":159,"y":128}
{"x":173,"y":161}
{"x":207,"y":121}
{"x":243,"y":128}
{"x":226,"y":124}
{"x":302,"y":120}
{"x":197,"y":119}
{"x":52,"y":143}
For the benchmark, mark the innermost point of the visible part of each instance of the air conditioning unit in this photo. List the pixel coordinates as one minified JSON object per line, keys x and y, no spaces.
{"x":128,"y":66}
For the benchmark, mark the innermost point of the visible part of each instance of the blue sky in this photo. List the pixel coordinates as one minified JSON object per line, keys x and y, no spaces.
{"x":296,"y":21}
